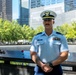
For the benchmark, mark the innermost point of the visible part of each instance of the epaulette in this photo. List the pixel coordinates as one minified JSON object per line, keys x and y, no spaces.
{"x":59,"y":33}
{"x":39,"y":33}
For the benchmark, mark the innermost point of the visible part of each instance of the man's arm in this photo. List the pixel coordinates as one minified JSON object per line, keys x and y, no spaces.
{"x":62,"y":57}
{"x":36,"y":59}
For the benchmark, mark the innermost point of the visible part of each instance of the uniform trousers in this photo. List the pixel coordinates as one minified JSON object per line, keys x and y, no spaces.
{"x":57,"y":70}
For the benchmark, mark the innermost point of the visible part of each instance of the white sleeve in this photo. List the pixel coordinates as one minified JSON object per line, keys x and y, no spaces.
{"x":64,"y":45}
{"x":33,"y":45}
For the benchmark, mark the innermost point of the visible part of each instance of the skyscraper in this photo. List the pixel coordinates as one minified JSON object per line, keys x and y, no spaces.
{"x":37,"y":6}
{"x":70,"y":5}
{"x":24,"y":12}
{"x":6,"y":9}
{"x":59,"y":6}
{"x":39,"y":3}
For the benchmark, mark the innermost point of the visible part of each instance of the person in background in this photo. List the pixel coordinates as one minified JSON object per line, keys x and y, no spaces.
{"x":49,"y":48}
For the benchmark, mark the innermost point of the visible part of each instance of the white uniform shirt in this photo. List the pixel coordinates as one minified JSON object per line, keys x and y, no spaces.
{"x":47,"y":47}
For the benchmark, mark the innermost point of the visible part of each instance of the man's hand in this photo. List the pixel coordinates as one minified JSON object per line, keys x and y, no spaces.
{"x":46,"y":68}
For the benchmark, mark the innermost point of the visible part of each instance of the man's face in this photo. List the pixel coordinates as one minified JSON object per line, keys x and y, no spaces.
{"x":48,"y":23}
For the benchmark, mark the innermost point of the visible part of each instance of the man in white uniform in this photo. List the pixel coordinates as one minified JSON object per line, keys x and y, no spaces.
{"x":49,"y":48}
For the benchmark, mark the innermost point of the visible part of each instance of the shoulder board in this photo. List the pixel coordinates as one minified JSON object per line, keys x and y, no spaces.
{"x":39,"y":33}
{"x":59,"y":33}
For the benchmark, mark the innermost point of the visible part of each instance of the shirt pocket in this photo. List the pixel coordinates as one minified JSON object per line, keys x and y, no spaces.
{"x":56,"y":43}
{"x":56,"y":46}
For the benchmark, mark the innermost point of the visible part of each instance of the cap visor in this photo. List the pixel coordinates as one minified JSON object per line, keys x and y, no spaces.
{"x":48,"y":18}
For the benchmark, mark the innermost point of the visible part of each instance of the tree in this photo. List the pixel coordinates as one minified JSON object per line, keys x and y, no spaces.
{"x":62,"y":29}
{"x":69,"y":30}
{"x":27,"y":32}
{"x":39,"y":29}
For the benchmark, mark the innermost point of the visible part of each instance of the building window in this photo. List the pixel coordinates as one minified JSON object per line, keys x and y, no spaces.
{"x":47,"y":2}
{"x":60,"y":1}
{"x":42,"y":2}
{"x":53,"y":1}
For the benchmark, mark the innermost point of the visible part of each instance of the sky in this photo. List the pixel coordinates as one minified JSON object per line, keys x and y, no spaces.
{"x":15,"y":9}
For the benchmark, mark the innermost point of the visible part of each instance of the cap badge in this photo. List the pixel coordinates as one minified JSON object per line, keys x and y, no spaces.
{"x":47,"y":14}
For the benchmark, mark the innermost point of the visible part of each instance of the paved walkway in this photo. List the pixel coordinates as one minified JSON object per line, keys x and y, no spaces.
{"x":69,"y":73}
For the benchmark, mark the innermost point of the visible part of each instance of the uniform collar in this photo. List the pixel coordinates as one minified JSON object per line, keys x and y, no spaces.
{"x":53,"y":32}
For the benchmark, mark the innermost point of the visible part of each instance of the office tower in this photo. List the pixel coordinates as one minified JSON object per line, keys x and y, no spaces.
{"x":39,"y":3}
{"x":70,"y":5}
{"x":24,"y":12}
{"x":6,"y":9}
{"x":59,"y":6}
{"x":37,"y":6}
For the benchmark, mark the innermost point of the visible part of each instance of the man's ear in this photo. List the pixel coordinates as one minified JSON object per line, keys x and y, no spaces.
{"x":53,"y":21}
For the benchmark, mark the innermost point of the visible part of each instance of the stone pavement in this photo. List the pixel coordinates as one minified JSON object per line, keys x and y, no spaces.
{"x":69,"y":73}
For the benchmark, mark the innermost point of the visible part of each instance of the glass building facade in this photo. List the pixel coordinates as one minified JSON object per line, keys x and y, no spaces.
{"x":6,"y":9}
{"x":70,"y":5}
{"x":24,"y":12}
{"x":37,"y":6}
{"x":59,"y":6}
{"x":38,"y":3}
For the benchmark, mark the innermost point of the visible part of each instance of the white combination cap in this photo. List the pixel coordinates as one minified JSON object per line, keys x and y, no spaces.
{"x":48,"y":14}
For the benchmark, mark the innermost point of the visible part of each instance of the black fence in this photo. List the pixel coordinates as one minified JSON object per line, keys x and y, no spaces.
{"x":13,"y":66}
{"x":15,"y":70}
{"x":18,"y":62}
{"x":18,"y":66}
